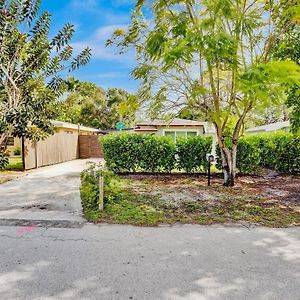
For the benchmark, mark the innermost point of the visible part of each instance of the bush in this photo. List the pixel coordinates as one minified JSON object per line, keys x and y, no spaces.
{"x":279,"y":151}
{"x":89,"y":190}
{"x":248,"y":155}
{"x":137,"y":152}
{"x":17,"y":151}
{"x":3,"y":160}
{"x":192,"y":152}
{"x":149,"y":153}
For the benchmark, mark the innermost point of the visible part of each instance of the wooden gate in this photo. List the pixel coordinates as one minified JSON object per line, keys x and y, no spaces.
{"x":57,"y":148}
{"x":89,"y":146}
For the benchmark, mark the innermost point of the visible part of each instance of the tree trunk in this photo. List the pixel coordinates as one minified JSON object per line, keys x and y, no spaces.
{"x":229,"y":164}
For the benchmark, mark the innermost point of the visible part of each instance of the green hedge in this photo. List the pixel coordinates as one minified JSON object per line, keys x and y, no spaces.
{"x":149,"y":153}
{"x":279,"y":151}
{"x":191,"y":153}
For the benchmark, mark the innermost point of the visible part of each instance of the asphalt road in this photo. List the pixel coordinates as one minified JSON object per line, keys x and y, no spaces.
{"x":123,"y":262}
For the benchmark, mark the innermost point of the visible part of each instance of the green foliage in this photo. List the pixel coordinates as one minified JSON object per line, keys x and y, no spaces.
{"x":30,"y":66}
{"x":137,"y":152}
{"x":279,"y":151}
{"x":150,"y":153}
{"x":192,"y":153}
{"x":89,"y":190}
{"x":92,"y":106}
{"x":3,"y":160}
{"x":17,"y":151}
{"x":213,"y":57}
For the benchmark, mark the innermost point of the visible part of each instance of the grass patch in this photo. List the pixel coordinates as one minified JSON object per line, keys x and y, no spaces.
{"x":131,"y":207}
{"x":152,"y":202}
{"x":15,"y":164}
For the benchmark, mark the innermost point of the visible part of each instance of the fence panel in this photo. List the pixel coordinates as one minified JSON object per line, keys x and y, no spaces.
{"x":89,"y":146}
{"x":57,"y":148}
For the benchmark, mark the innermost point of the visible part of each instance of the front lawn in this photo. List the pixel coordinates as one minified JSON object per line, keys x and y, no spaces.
{"x":150,"y":200}
{"x":12,"y":170}
{"x":15,"y":164}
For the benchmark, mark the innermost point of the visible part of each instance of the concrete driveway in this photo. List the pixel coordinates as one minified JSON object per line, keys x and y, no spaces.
{"x":111,"y":262}
{"x":47,"y":196}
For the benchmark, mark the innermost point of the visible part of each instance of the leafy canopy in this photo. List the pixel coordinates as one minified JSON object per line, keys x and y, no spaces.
{"x":91,"y":105}
{"x":212,"y":55}
{"x":30,"y":64}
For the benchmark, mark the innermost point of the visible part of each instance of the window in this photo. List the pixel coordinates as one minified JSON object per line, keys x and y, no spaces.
{"x":68,"y":132}
{"x":180,"y":134}
{"x":191,"y":133}
{"x":171,"y":134}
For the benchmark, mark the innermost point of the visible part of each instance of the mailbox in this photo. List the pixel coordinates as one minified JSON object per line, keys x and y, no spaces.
{"x":210,"y":157}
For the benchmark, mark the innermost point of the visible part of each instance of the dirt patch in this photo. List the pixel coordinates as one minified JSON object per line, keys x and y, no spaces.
{"x":10,"y":175}
{"x":155,"y":199}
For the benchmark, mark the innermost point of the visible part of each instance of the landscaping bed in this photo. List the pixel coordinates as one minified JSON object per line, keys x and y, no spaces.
{"x":150,"y":200}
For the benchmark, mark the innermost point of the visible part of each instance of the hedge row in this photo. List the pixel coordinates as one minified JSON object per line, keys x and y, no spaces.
{"x":149,"y":153}
{"x":278,"y":151}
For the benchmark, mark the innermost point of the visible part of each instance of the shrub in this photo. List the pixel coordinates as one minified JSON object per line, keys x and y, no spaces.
{"x":149,"y":153}
{"x":192,"y":152}
{"x":89,"y":190}
{"x":17,"y":151}
{"x":3,"y":160}
{"x":248,"y":155}
{"x":279,"y":151}
{"x":137,"y":152}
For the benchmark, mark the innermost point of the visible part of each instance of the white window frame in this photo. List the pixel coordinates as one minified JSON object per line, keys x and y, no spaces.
{"x":183,"y":130}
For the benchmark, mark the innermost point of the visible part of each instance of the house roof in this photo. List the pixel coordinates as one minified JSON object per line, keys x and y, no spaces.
{"x":152,"y":125}
{"x":145,"y":128}
{"x":172,"y":122}
{"x":67,"y":125}
{"x":270,"y":127}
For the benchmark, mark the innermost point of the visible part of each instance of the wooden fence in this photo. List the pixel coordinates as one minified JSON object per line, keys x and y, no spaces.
{"x":89,"y":146}
{"x":58,"y":148}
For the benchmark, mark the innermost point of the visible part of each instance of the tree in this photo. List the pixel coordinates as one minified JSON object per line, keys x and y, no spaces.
{"x":288,"y":47}
{"x":91,"y":105}
{"x":30,"y":64}
{"x":214,"y":55}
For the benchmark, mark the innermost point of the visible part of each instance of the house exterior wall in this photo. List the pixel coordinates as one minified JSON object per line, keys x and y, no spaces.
{"x":73,"y":131}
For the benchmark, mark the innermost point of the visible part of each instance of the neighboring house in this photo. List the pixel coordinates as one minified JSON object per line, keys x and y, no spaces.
{"x":284,"y":126}
{"x":68,"y":142}
{"x":60,"y":127}
{"x":13,"y":144}
{"x":73,"y":128}
{"x":176,"y":128}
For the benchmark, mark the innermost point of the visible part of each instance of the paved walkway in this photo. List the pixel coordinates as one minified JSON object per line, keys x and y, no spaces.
{"x":111,"y":262}
{"x":49,"y":195}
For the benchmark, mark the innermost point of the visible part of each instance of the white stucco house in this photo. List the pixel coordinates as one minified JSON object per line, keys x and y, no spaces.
{"x":176,"y":128}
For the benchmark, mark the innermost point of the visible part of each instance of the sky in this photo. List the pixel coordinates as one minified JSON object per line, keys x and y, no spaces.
{"x":95,"y":21}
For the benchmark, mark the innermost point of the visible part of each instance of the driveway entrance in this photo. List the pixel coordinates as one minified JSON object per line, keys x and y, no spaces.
{"x":46,"y":197}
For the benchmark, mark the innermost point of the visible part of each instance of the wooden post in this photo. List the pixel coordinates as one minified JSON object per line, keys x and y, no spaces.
{"x":101,"y":192}
{"x":23,"y":153}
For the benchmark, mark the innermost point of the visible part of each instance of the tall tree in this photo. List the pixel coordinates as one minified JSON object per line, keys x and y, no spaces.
{"x":30,"y":64}
{"x":91,"y":105}
{"x":213,"y":54}
{"x":288,"y":47}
